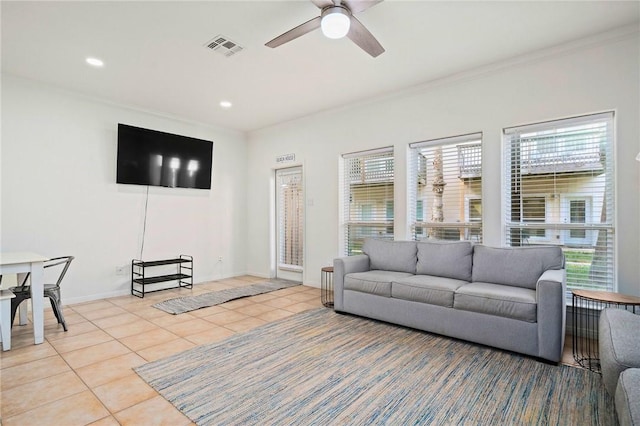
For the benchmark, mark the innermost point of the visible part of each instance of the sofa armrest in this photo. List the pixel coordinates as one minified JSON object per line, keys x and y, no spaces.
{"x":551,"y":289}
{"x":341,"y":267}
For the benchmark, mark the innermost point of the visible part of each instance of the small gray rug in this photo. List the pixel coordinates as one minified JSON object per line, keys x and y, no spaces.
{"x":180,"y":305}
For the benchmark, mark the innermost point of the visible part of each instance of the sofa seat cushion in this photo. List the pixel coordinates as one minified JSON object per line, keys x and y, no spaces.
{"x":387,"y":255}
{"x":496,"y":299}
{"x":628,"y":397}
{"x":426,"y":289}
{"x":374,"y":282}
{"x":618,"y":344}
{"x":445,"y":259}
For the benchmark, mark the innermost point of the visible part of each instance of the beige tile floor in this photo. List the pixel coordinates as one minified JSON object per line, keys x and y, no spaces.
{"x":85,"y":376}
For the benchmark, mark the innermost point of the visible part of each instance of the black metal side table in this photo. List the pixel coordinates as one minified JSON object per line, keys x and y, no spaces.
{"x":586,"y":307}
{"x":326,"y":286}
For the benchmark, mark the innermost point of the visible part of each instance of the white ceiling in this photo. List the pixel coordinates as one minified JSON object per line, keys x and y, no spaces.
{"x":155,"y":57}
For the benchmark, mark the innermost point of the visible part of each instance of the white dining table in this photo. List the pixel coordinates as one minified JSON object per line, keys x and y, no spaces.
{"x":22,"y":263}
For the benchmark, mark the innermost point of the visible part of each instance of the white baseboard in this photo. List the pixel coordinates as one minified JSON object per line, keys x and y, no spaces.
{"x":93,"y":297}
{"x":127,"y":291}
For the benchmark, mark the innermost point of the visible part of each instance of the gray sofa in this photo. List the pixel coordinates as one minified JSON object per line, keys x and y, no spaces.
{"x":619,"y":349}
{"x":508,"y":298}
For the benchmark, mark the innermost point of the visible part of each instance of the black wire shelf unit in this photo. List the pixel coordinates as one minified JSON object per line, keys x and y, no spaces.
{"x":144,"y":281}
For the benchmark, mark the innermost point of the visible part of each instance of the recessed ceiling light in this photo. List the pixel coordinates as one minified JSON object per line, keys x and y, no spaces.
{"x":95,"y":62}
{"x":225,"y":104}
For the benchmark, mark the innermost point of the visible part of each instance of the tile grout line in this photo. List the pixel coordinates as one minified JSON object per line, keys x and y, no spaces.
{"x":111,"y":414}
{"x":126,"y":307}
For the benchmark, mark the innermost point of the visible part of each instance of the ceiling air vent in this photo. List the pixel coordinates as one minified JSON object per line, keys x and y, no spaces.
{"x":223,"y":45}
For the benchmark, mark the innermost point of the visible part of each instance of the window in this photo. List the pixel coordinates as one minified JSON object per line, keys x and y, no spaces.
{"x":389,"y":216}
{"x":577,"y":214}
{"x":367,"y":183}
{"x":446,"y":177}
{"x":578,"y":210}
{"x":419,"y":230}
{"x":473,"y":214}
{"x":366,"y":212}
{"x":474,"y":210}
{"x":290,"y":218}
{"x":534,"y":211}
{"x":559,"y":189}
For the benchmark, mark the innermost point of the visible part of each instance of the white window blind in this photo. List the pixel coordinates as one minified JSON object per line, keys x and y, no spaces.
{"x":367,"y":179}
{"x":445,"y":188}
{"x":290,"y":214}
{"x":559,"y":189}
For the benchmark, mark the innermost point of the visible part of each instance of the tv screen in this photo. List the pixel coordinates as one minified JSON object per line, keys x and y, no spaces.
{"x":150,"y":157}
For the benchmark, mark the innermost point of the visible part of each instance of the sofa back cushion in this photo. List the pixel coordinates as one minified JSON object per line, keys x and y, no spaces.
{"x":386,"y":255}
{"x":445,"y":259}
{"x":516,"y":266}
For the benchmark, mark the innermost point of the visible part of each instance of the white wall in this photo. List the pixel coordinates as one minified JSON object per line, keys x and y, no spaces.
{"x":59,"y":195}
{"x":592,"y":75}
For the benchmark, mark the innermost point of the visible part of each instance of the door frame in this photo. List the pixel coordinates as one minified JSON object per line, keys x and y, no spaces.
{"x":293,"y":273}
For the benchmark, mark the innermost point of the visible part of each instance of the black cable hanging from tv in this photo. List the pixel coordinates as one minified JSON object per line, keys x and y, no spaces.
{"x":144,"y":224}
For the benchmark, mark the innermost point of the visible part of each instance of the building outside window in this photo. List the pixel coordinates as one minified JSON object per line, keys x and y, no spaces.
{"x":445,"y":188}
{"x":534,"y":211}
{"x":474,"y":215}
{"x":559,"y":189}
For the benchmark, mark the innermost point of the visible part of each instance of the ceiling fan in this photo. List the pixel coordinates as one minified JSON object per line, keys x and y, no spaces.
{"x":337,"y":20}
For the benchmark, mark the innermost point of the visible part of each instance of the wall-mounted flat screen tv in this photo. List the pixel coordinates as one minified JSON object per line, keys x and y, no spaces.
{"x":150,"y":157}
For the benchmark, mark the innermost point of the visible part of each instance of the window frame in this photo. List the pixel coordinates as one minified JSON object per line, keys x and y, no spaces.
{"x":370,"y":176}
{"x":587,"y":164}
{"x":470,"y":174}
{"x":565,"y":201}
{"x":290,"y":234}
{"x":471,"y":234}
{"x":537,"y":238}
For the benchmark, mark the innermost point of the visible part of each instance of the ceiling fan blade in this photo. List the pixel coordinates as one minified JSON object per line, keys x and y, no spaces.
{"x":321,"y":4}
{"x":363,"y":38}
{"x":357,"y":6}
{"x":298,"y":31}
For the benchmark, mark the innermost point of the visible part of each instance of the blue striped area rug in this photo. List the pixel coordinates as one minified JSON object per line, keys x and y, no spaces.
{"x":323,"y":368}
{"x":180,"y":305}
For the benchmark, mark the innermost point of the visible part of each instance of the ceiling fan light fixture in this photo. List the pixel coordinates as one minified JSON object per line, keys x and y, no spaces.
{"x":94,"y":62}
{"x":335,"y":22}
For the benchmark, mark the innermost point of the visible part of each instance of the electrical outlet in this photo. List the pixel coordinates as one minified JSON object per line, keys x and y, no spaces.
{"x":219,"y":258}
